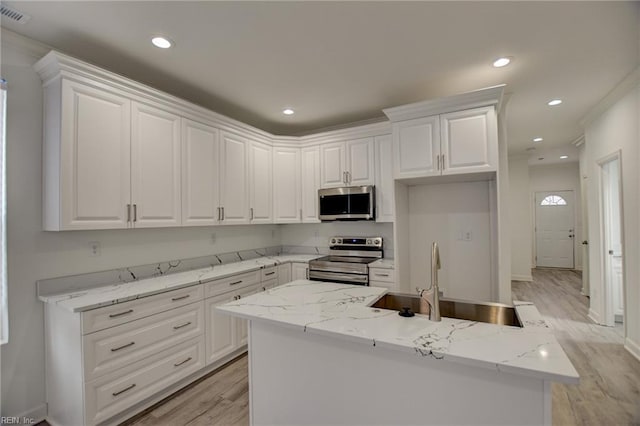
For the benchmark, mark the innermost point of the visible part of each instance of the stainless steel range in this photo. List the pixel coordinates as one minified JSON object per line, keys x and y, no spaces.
{"x":347,"y":261}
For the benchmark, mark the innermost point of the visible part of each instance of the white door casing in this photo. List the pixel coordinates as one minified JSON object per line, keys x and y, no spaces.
{"x":554,"y":229}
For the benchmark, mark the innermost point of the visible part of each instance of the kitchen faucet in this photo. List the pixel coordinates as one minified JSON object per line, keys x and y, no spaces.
{"x":432,"y":295}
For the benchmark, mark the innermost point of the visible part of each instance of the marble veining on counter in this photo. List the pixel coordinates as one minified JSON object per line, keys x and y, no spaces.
{"x":341,"y":310}
{"x":123,"y":291}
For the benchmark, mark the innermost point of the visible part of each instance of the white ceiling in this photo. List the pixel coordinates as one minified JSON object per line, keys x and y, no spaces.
{"x":340,"y":62}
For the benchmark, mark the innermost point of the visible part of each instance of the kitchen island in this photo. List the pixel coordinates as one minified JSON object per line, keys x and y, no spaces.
{"x":318,"y":354}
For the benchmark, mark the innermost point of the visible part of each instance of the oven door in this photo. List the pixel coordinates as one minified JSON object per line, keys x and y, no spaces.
{"x":339,"y":277}
{"x":348,"y":203}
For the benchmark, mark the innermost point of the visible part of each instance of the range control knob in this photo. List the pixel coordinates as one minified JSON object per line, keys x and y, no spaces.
{"x":333,"y":241}
{"x":377,"y":241}
{"x":339,"y":240}
{"x":368,"y":242}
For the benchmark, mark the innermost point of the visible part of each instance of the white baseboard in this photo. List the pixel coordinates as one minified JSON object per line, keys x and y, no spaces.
{"x":37,"y":414}
{"x":632,"y":347}
{"x":516,"y":277}
{"x":594,"y":316}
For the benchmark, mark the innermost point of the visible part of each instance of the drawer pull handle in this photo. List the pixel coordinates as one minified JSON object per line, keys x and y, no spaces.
{"x":182,"y":362}
{"x":177,"y":327}
{"x":124,"y":390}
{"x":121,"y":314}
{"x":270,"y":273}
{"x":382,"y":275}
{"x":122,"y":347}
{"x":175,"y":299}
{"x":236,"y":282}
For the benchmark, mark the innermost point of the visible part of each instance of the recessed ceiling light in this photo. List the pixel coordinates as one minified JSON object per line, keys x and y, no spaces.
{"x":288,"y":111}
{"x":538,"y":139}
{"x":161,"y":42}
{"x":564,"y":157}
{"x":501,"y":62}
{"x":554,"y":102}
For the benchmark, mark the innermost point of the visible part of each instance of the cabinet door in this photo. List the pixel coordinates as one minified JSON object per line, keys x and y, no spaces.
{"x":469,"y":141}
{"x":93,"y":161}
{"x":241,"y":325}
{"x":310,"y":184}
{"x":200,"y":150}
{"x":155,"y":166}
{"x":234,"y":179}
{"x":384,"y":179}
{"x":332,"y":165}
{"x":260,"y":187}
{"x":360,"y":162}
{"x":299,"y":271}
{"x":284,"y":273}
{"x":220,"y":338}
{"x":286,"y":185}
{"x":416,"y":147}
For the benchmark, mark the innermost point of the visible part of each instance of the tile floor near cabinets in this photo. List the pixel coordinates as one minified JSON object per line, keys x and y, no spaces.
{"x":608,"y":393}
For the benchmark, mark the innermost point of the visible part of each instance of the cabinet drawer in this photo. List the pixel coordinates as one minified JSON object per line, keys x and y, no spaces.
{"x":232,"y":283}
{"x":384,"y":284}
{"x":266,"y":285}
{"x":110,"y":349}
{"x":379,"y":274}
{"x":110,"y":316}
{"x":113,"y":393}
{"x":269,"y":273}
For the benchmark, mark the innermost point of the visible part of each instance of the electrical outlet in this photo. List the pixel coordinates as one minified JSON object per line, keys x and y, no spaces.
{"x":213,"y":238}
{"x":94,"y":248}
{"x":467,"y":235}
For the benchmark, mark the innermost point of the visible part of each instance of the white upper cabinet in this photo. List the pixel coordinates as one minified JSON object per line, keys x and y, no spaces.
{"x":86,"y":157}
{"x":333,"y":165}
{"x":310,"y":184}
{"x":348,"y":163}
{"x":469,"y":141}
{"x":416,"y":147}
{"x":384,"y":179}
{"x":155,"y":167}
{"x":286,"y":185}
{"x":360,"y":162}
{"x":234,"y":179}
{"x":260,"y":183}
{"x":200,"y":193}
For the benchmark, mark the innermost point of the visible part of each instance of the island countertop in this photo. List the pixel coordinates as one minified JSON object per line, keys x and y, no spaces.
{"x":343,"y":311}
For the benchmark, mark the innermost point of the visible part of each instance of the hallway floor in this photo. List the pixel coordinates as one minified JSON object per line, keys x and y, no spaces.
{"x":609,"y":389}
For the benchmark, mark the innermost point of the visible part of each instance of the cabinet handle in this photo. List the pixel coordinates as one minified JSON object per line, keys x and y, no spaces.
{"x":438,"y":162}
{"x":178,"y":327}
{"x":121,"y":314}
{"x":251,"y":211}
{"x":270,"y":273}
{"x":124,"y":390}
{"x":135,"y":212}
{"x":128,"y":212}
{"x":222,"y":208}
{"x":381,"y":275}
{"x":175,"y":299}
{"x":219,"y":214}
{"x":235,"y":282}
{"x":182,"y":362}
{"x":348,"y":177}
{"x":119,"y":348}
{"x":264,"y":289}
{"x":300,"y":214}
{"x":442,"y":162}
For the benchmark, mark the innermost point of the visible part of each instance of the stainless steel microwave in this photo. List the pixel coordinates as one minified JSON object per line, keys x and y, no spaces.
{"x":347,"y":203}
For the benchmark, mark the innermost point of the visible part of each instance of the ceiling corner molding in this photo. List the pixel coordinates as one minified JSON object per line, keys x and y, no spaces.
{"x":29,"y":46}
{"x":627,"y":84}
{"x":474,"y":99}
{"x":357,"y":132}
{"x":579,"y":141}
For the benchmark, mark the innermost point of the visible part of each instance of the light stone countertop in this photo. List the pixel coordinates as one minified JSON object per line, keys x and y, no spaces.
{"x":383,"y":263}
{"x":341,"y":310}
{"x":84,"y":300}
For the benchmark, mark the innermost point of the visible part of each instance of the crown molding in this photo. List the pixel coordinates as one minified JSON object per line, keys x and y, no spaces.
{"x":623,"y":88}
{"x":477,"y":98}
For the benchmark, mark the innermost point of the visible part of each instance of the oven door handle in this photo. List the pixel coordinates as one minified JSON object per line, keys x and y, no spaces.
{"x":333,"y":276}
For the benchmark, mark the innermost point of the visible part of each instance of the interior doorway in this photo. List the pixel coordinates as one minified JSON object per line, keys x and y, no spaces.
{"x":612,"y":234}
{"x":554,"y":229}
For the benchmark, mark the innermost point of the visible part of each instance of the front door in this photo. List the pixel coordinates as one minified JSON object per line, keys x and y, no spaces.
{"x":554,"y":229}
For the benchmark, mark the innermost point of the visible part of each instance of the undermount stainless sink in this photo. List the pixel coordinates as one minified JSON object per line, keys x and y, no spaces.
{"x":492,"y":313}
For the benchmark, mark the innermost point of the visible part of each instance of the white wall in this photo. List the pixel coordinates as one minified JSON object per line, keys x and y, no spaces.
{"x":520,"y":219}
{"x":558,"y":177}
{"x":615,"y":127}
{"x":34,"y":254}
{"x":443,"y":213}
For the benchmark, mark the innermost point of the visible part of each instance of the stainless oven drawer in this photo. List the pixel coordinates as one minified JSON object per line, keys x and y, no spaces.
{"x":339,"y":277}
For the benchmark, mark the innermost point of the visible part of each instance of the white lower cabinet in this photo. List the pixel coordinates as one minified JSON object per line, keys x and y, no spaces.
{"x":220,"y":333}
{"x":383,"y":277}
{"x":299,"y":271}
{"x":284,"y":273}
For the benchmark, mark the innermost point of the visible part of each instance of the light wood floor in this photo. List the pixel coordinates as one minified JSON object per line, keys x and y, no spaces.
{"x":608,"y":393}
{"x":609,"y":389}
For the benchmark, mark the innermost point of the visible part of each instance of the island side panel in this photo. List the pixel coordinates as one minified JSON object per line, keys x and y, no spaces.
{"x":303,"y":378}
